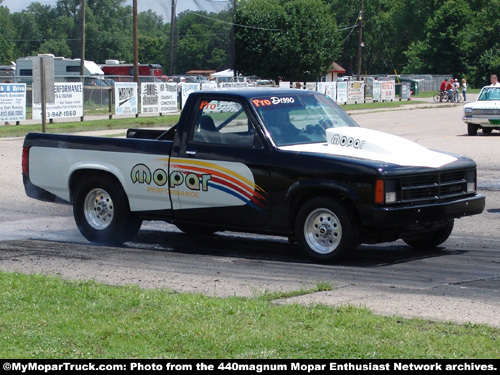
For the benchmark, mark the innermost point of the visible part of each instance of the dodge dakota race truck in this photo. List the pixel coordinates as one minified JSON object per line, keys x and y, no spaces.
{"x":270,"y":161}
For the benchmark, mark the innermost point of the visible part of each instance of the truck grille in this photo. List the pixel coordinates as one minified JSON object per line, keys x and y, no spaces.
{"x":433,"y":187}
{"x":486,"y":112}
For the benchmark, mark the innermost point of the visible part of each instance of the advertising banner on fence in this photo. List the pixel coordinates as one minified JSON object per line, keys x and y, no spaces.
{"x":158,"y":97}
{"x":329,"y":89}
{"x":341,"y":92}
{"x":12,"y":102}
{"x":377,"y":88}
{"x":68,"y":102}
{"x":355,"y":91}
{"x":126,"y":98}
{"x":188,"y":88}
{"x":388,"y":91}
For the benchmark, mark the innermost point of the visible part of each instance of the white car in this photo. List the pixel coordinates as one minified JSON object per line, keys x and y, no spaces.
{"x":484,"y":113}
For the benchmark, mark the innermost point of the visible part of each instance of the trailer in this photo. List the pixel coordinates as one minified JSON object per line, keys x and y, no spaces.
{"x":65,"y":69}
{"x":121,"y":72}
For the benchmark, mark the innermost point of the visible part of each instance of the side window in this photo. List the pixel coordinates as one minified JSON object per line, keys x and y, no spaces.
{"x":224,"y":123}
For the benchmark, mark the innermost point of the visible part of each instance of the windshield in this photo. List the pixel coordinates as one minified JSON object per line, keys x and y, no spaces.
{"x":489,"y":93}
{"x":297,"y":119}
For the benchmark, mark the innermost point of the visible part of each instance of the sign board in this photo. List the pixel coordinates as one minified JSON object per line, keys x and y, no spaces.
{"x":12,"y":102}
{"x":329,"y":89}
{"x":126,"y":98}
{"x":68,"y":102}
{"x":377,"y":89}
{"x":43,"y":72}
{"x":158,"y":97}
{"x":186,"y":89}
{"x":388,"y":91}
{"x":342,"y":92}
{"x":356,"y":91}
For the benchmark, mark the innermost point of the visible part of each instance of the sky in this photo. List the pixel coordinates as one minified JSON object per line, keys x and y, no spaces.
{"x":161,"y":7}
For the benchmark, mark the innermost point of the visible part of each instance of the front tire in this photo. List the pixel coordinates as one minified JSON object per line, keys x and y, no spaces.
{"x":325,"y":230}
{"x":471,"y":129}
{"x":102,"y":213}
{"x":431,"y":239}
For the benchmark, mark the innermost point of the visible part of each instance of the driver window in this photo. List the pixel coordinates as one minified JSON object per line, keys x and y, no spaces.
{"x":224,"y":123}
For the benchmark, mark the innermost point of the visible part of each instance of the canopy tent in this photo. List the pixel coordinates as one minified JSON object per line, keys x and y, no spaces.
{"x":228,"y":73}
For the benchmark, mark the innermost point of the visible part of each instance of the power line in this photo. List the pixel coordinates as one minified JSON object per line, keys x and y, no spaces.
{"x":234,"y":24}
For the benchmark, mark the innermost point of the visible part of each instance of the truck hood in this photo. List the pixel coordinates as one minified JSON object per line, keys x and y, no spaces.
{"x":373,"y":145}
{"x":483,"y":104}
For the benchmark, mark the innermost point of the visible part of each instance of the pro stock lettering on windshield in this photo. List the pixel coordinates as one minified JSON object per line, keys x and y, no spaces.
{"x":273,"y":100}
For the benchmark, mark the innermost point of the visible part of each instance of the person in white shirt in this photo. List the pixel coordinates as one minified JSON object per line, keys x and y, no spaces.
{"x":494,"y":80}
{"x":464,"y":89}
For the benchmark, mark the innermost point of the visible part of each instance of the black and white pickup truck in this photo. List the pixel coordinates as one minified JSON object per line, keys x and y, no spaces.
{"x":270,"y":161}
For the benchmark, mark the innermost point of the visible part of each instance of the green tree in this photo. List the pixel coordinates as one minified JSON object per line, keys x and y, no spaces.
{"x":6,"y":36}
{"x":296,"y":39}
{"x":204,"y":41}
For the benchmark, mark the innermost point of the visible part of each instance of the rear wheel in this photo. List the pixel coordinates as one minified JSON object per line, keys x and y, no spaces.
{"x":431,"y":239}
{"x":102,"y":213}
{"x":325,"y":230}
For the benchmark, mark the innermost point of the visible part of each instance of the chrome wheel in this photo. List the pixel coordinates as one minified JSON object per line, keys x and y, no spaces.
{"x":98,"y":209}
{"x":322,"y":231}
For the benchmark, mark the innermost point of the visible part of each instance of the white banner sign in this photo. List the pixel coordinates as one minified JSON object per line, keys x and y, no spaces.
{"x":158,"y":97}
{"x":388,"y":91}
{"x":168,"y":97}
{"x":68,"y":102}
{"x":342,"y":92}
{"x":188,"y":88}
{"x":377,"y":88}
{"x":12,"y":102}
{"x":329,"y":89}
{"x":355,"y":91}
{"x":126,"y":100}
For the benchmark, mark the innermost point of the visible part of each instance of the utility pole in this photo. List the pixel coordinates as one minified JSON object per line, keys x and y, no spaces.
{"x":136,"y":52}
{"x":82,"y":51}
{"x":172,"y":39}
{"x":233,"y":47}
{"x":360,"y":43}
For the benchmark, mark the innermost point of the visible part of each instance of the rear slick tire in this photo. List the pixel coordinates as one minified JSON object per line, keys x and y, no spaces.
{"x":102,"y":212}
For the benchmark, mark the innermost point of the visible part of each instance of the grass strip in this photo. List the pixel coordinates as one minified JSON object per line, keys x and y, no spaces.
{"x":47,"y":317}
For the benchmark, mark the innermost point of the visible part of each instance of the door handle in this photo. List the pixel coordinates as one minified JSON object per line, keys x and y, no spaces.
{"x":191,"y":152}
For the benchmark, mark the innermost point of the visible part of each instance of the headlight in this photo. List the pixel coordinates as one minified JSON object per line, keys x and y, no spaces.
{"x":391,"y":194}
{"x":471,"y":181}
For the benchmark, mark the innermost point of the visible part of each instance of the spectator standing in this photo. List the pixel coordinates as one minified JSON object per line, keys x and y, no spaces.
{"x":449,"y":89}
{"x":494,"y":80}
{"x":464,"y":89}
{"x":456,"y":87}
{"x":442,"y":89}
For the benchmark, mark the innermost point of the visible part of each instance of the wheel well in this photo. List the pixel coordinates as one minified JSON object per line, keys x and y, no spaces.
{"x":300,"y":198}
{"x":82,"y":174}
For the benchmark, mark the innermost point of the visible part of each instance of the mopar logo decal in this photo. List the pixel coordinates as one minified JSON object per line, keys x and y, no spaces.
{"x":142,"y":174}
{"x":342,"y":140}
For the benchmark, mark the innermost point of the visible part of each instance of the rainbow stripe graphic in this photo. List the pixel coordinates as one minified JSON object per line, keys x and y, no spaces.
{"x":226,"y":180}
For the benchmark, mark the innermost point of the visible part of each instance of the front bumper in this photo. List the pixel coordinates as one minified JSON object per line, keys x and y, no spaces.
{"x":399,"y":217}
{"x":484,"y":122}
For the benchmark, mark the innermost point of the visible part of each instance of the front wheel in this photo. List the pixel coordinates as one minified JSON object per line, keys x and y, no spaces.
{"x":431,"y":239}
{"x":102,"y":213}
{"x":471,"y":129}
{"x":325,"y":230}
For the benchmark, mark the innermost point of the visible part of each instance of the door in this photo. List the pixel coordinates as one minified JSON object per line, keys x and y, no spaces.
{"x":222,"y":174}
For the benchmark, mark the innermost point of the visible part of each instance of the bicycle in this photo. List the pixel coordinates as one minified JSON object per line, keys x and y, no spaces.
{"x":441,"y":97}
{"x":457,"y":98}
